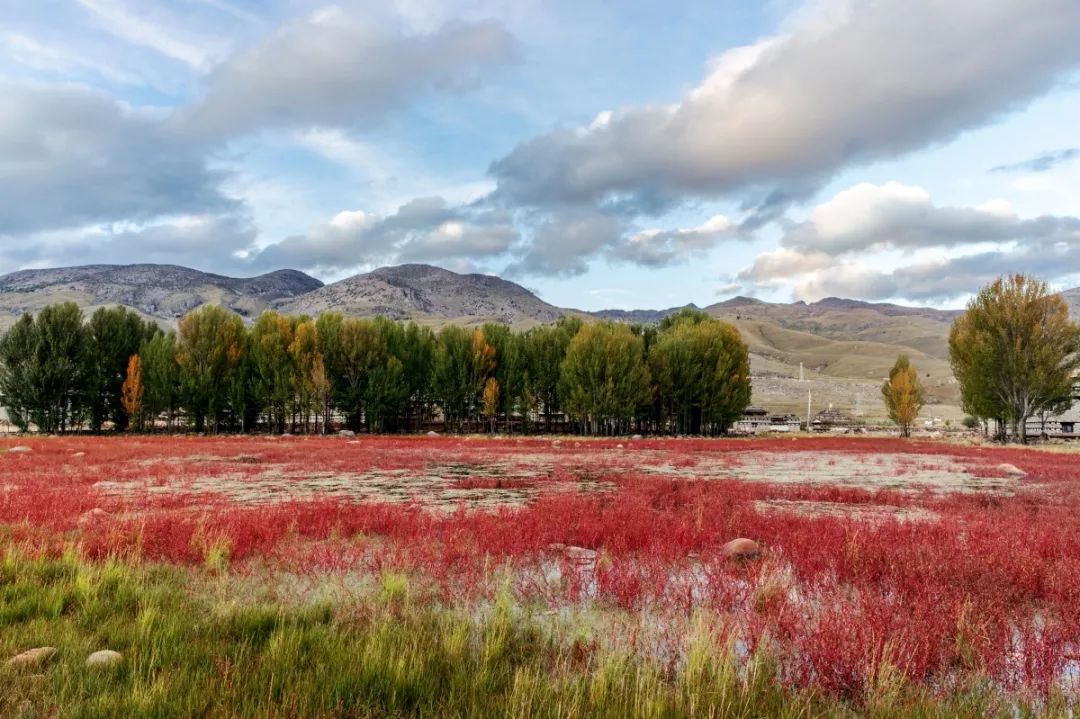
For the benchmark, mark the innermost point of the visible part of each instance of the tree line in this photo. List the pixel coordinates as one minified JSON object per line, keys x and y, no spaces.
{"x":61,"y":372}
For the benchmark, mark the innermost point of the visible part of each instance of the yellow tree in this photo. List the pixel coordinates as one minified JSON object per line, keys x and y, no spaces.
{"x":903,"y":394}
{"x":131,"y":392}
{"x":491,"y":400}
{"x":482,"y":365}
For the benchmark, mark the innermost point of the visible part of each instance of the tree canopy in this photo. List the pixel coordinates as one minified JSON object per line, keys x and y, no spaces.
{"x":1015,"y":353}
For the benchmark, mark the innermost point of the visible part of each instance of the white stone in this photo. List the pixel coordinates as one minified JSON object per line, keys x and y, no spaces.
{"x":32,"y":657}
{"x":1012,"y":470}
{"x":104,"y":658}
{"x":20,"y":449}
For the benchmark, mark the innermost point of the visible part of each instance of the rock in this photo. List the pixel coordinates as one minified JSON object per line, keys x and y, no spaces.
{"x":346,"y":433}
{"x":432,"y":433}
{"x":742,"y":549}
{"x":353,"y":441}
{"x":556,"y":443}
{"x":637,"y":436}
{"x":1011,"y":470}
{"x":579,"y":554}
{"x":32,"y":657}
{"x":286,"y":435}
{"x":79,"y":454}
{"x":104,"y":658}
{"x":94,"y":515}
{"x":20,"y":449}
{"x":618,"y":446}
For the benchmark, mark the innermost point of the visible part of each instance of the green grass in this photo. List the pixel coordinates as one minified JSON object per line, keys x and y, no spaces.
{"x":194,"y":648}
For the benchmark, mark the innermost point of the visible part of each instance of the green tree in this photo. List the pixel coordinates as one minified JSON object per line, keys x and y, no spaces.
{"x":903,"y":394}
{"x":113,"y":335}
{"x":418,"y":358}
{"x":1015,"y":352}
{"x":43,"y":375}
{"x":211,"y":345}
{"x":452,"y":381}
{"x":604,"y":378}
{"x":19,"y":372}
{"x":161,"y":378}
{"x":309,"y":371}
{"x":273,"y":367}
{"x":544,"y":349}
{"x":510,"y":372}
{"x":701,"y":368}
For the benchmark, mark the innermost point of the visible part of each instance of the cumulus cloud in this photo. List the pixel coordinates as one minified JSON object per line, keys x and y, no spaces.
{"x":952,"y":250}
{"x":873,"y":217}
{"x":941,"y":279}
{"x":1043,"y":162}
{"x":336,"y":70}
{"x":422,"y":230}
{"x":657,"y":248}
{"x":71,"y":157}
{"x":871,"y":81}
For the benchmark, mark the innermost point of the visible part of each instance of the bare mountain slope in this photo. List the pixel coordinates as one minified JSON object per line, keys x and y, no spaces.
{"x":162,"y":292}
{"x":427,"y":294}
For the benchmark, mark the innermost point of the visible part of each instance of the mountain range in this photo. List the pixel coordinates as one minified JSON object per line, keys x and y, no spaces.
{"x":840,"y":347}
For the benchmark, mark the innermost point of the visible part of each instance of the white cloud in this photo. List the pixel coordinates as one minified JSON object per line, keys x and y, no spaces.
{"x":654,"y":247}
{"x":137,"y":27}
{"x":423,"y":230}
{"x":891,"y":241}
{"x":857,"y":83}
{"x":334,"y":70}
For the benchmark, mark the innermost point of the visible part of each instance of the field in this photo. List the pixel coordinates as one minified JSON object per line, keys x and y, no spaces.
{"x":438,"y":576}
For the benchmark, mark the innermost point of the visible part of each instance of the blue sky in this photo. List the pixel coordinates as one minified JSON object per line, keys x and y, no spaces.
{"x":631,"y":154}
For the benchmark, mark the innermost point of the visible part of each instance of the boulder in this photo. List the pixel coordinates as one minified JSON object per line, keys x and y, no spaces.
{"x":573,"y":553}
{"x":20,"y":449}
{"x":742,"y":549}
{"x":104,"y":658}
{"x":346,"y":433}
{"x":94,"y":515}
{"x":32,"y":657}
{"x":432,"y":433}
{"x":637,"y":436}
{"x":618,"y":446}
{"x":1011,"y":470}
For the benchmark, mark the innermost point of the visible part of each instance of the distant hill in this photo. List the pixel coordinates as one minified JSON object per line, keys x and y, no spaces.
{"x":162,"y":292}
{"x":642,"y":316}
{"x":427,"y":294}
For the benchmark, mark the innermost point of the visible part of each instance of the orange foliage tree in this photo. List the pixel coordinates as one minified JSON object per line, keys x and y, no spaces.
{"x":132,"y":391}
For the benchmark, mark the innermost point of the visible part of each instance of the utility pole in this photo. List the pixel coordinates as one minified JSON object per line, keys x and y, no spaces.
{"x":808,"y":410}
{"x":801,"y":379}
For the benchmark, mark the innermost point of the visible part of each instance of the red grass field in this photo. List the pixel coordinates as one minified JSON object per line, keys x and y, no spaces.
{"x":880,"y":556}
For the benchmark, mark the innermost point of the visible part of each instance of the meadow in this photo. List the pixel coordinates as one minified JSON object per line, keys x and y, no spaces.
{"x":444,"y":576}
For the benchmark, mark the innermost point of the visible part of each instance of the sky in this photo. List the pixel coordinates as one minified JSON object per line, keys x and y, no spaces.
{"x":628,"y":154}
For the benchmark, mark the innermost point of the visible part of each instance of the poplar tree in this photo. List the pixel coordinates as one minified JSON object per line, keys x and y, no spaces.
{"x":903,"y":395}
{"x":1015,"y":352}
